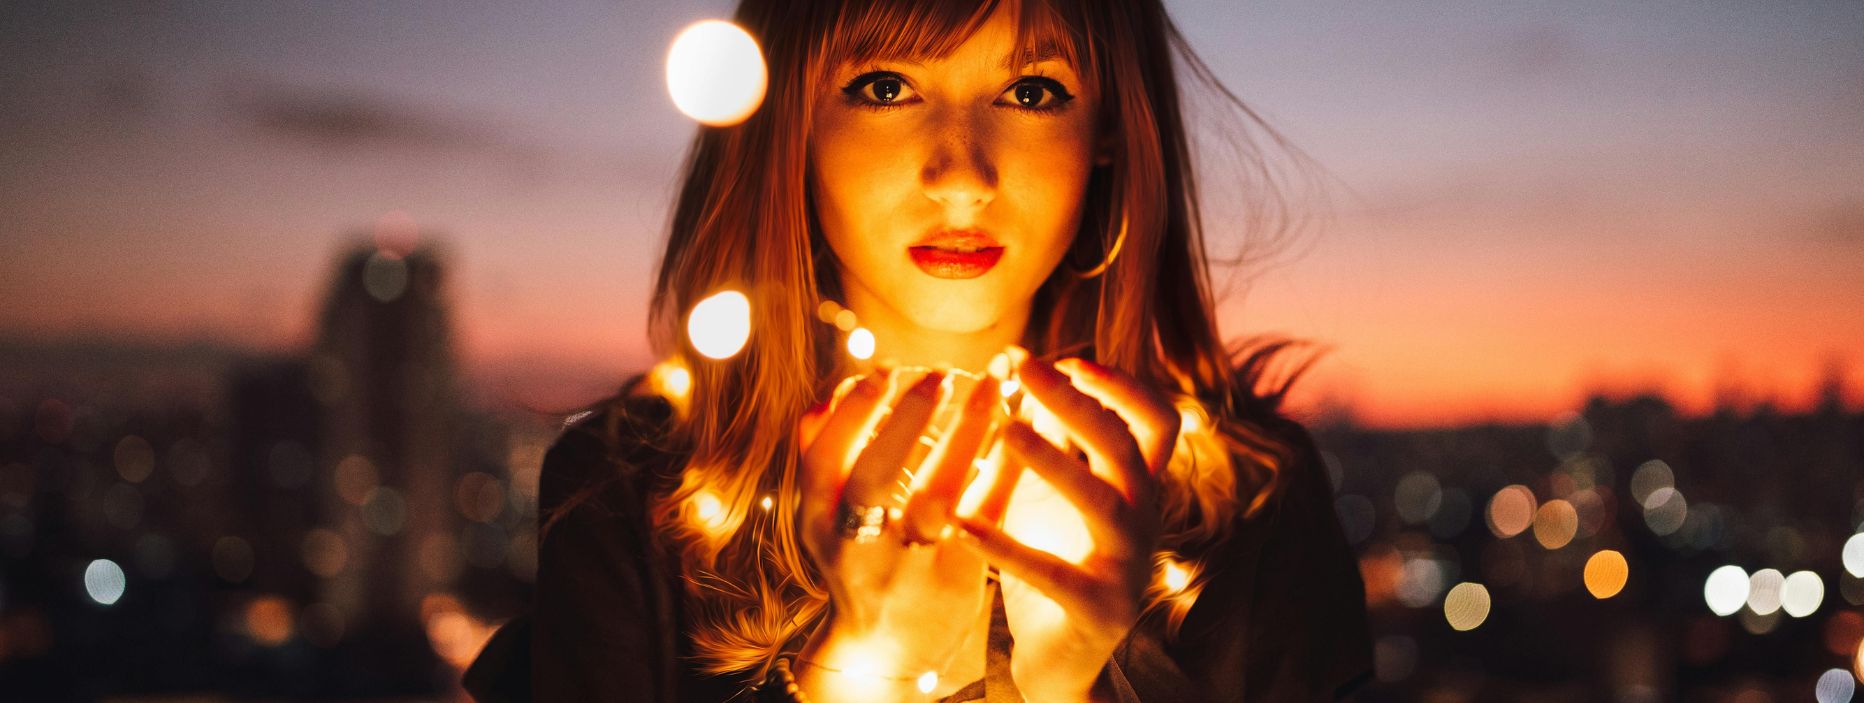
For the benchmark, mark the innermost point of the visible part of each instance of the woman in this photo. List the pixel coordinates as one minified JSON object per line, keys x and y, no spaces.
{"x":966,"y":177}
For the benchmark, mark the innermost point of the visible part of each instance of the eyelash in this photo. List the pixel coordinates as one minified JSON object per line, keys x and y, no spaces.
{"x":854,"y":87}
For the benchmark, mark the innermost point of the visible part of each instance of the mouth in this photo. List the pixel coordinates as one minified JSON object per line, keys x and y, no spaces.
{"x":956,"y":254}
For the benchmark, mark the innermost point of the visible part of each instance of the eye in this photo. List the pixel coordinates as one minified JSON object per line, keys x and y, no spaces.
{"x":1038,"y":94}
{"x":879,"y":89}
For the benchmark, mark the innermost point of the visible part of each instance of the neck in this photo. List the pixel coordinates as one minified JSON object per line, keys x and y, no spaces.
{"x":902,"y":342}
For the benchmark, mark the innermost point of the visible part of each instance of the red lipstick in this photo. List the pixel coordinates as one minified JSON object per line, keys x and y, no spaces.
{"x":956,"y":254}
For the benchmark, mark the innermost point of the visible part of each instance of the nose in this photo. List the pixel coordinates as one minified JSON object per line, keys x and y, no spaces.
{"x":959,"y":172}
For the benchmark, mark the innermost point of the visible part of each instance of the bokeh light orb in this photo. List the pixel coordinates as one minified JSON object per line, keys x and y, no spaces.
{"x":1606,"y":573}
{"x":1466,"y":606}
{"x":1835,"y":686}
{"x":720,"y":325}
{"x":1555,"y":524}
{"x":1764,"y":591}
{"x":1726,"y":590}
{"x":716,"y":73}
{"x":1801,"y":594}
{"x":1511,"y":510}
{"x":104,"y":581}
{"x":1854,"y":555}
{"x":861,"y":344}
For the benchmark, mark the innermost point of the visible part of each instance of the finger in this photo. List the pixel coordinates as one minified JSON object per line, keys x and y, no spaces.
{"x":826,"y":459}
{"x":809,"y":427}
{"x":1154,"y":420}
{"x":937,"y":486}
{"x":1097,"y":429}
{"x":877,"y":471}
{"x":1050,"y":574}
{"x":999,"y":482}
{"x":1099,"y":502}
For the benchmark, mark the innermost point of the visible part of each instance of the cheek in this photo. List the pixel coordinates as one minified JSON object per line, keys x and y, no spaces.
{"x":857,"y":184}
{"x":1048,"y":185}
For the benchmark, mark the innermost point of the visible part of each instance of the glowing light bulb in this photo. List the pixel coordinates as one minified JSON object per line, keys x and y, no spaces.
{"x":861,"y":343}
{"x":1175,"y":576}
{"x":716,"y":73}
{"x":672,"y":380}
{"x":928,"y":681}
{"x":709,"y":510}
{"x":766,"y":503}
{"x":720,"y":325}
{"x":1191,"y":419}
{"x":1038,"y":515}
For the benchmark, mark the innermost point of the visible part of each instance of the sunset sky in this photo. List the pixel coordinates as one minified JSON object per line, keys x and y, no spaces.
{"x":1528,"y":203}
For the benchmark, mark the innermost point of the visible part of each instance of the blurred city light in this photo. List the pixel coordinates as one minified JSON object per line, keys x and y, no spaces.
{"x":104,"y":581}
{"x":1555,"y":524}
{"x":1511,"y":511}
{"x":1650,"y":476}
{"x":1466,"y":606}
{"x":1665,"y":510}
{"x":1853,"y":555}
{"x":1801,"y":594}
{"x":1606,"y":573}
{"x":1764,"y":591}
{"x":1418,"y":495}
{"x":1726,"y":590}
{"x":1835,"y":686}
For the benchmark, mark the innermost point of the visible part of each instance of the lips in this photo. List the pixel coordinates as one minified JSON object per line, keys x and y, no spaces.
{"x":956,"y":254}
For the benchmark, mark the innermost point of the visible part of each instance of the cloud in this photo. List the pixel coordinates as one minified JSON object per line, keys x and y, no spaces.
{"x":352,"y":120}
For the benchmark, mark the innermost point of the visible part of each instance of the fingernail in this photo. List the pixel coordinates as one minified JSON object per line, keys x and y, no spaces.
{"x":999,"y":366}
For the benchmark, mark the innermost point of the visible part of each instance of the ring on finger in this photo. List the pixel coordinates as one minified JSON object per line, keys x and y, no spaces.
{"x":861,"y":523}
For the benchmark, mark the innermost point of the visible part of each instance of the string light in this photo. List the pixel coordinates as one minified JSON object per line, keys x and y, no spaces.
{"x":671,"y":380}
{"x":861,"y":343}
{"x":720,"y":325}
{"x":709,"y":510}
{"x":716,"y":73}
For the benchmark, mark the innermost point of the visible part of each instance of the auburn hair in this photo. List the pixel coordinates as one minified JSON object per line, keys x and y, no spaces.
{"x":744,"y":220}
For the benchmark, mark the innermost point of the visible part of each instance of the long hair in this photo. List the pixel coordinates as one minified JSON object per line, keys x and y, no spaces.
{"x":744,"y":221}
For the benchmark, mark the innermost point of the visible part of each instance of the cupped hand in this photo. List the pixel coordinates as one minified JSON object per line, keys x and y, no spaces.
{"x":901,"y":601}
{"x":1067,"y":616}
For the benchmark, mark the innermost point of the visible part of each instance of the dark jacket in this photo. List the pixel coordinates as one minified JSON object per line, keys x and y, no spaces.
{"x":1282,"y":617}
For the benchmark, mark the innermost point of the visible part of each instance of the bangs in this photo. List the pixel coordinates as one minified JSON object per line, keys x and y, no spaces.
{"x":920,"y":30}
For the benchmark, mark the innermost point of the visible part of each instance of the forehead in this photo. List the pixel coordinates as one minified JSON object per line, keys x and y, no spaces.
{"x":1013,"y":32}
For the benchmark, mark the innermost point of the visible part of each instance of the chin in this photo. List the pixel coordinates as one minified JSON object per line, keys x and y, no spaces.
{"x":956,"y":311}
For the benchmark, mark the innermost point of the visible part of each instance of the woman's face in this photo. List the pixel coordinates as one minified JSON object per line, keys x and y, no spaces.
{"x":950,"y":189}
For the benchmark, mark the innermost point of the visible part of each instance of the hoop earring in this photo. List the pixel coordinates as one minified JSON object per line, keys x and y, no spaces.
{"x":1113,"y":252}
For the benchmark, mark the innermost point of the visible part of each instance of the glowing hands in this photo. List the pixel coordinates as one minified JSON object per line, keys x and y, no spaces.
{"x":899,"y":610}
{"x":1068,"y":615}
